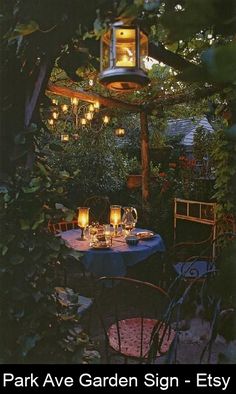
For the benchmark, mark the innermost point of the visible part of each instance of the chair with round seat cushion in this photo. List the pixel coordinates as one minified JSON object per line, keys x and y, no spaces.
{"x":132,"y":318}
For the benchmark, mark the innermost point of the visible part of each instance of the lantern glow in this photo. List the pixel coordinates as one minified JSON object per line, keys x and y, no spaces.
{"x":83,"y":220}
{"x":65,"y":137}
{"x":123,"y":50}
{"x":115,"y":216}
{"x":120,"y":132}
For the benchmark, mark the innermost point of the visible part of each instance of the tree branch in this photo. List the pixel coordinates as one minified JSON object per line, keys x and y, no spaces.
{"x":158,"y":52}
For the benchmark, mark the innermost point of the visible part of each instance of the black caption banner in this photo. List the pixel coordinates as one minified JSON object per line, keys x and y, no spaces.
{"x":111,"y":378}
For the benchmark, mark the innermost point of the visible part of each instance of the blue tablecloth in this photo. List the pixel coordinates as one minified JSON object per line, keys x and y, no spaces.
{"x":114,"y":261}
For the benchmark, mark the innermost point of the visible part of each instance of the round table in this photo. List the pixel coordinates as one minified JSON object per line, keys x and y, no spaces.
{"x":116,"y":260}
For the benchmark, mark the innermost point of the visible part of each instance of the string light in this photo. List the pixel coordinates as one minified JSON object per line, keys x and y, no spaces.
{"x":96,"y":105}
{"x":55,"y":115}
{"x":83,"y":121}
{"x":74,"y":101}
{"x":64,"y":108}
{"x":51,"y":122}
{"x":91,"y":108}
{"x":55,"y":101}
{"x":89,"y":116}
{"x":106,"y":119}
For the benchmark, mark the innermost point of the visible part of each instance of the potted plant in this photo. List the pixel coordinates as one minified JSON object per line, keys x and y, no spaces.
{"x":134,"y":179}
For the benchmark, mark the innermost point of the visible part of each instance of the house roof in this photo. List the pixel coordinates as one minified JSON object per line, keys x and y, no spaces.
{"x":187,"y":128}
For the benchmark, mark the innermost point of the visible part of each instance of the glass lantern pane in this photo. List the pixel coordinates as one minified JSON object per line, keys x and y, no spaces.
{"x":125,"y":48}
{"x":143,"y":49}
{"x":106,"y":50}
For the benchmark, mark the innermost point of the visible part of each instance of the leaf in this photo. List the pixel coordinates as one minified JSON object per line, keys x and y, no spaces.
{"x":56,"y":147}
{"x":42,"y":169}
{"x":4,"y":250}
{"x":28,"y":343}
{"x":20,"y":139}
{"x":28,"y":190}
{"x":24,"y":224}
{"x":39,"y":221}
{"x":17,"y":259}
{"x":150,"y":5}
{"x":64,"y":174}
{"x":22,"y":29}
{"x":220,"y":62}
{"x":69,"y":215}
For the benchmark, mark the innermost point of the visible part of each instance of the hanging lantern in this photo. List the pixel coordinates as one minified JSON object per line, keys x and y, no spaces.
{"x":65,"y":137}
{"x":120,"y":132}
{"x":123,"y":53}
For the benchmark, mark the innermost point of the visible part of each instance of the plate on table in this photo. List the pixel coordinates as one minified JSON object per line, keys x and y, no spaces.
{"x":145,"y":235}
{"x":100,"y":247}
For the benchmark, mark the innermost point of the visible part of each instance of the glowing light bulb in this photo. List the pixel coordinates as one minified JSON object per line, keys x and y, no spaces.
{"x":96,"y":105}
{"x":55,"y":115}
{"x":91,"y":108}
{"x":74,"y":101}
{"x":64,"y":108}
{"x":89,"y":116}
{"x":83,"y":121}
{"x":91,"y":82}
{"x":55,"y":101}
{"x":106,"y":119}
{"x":51,"y":122}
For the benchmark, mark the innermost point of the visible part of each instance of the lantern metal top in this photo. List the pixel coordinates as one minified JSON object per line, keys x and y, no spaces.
{"x":123,"y":51}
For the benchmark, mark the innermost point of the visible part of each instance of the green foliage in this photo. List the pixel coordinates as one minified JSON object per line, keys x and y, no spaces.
{"x":32,"y":326}
{"x":97,"y":164}
{"x":224,"y":155}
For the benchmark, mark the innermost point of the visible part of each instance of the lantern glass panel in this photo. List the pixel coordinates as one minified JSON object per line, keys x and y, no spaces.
{"x":143,"y":49}
{"x":125,"y":47}
{"x":106,"y":50}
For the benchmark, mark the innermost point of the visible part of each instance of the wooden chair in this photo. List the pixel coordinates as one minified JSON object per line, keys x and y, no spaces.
{"x":57,"y":228}
{"x":196,"y":259}
{"x":72,"y":266}
{"x":99,"y":209}
{"x":130,"y":312}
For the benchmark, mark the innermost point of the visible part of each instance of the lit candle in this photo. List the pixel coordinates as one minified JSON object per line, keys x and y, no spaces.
{"x":83,"y":219}
{"x":115,"y":216}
